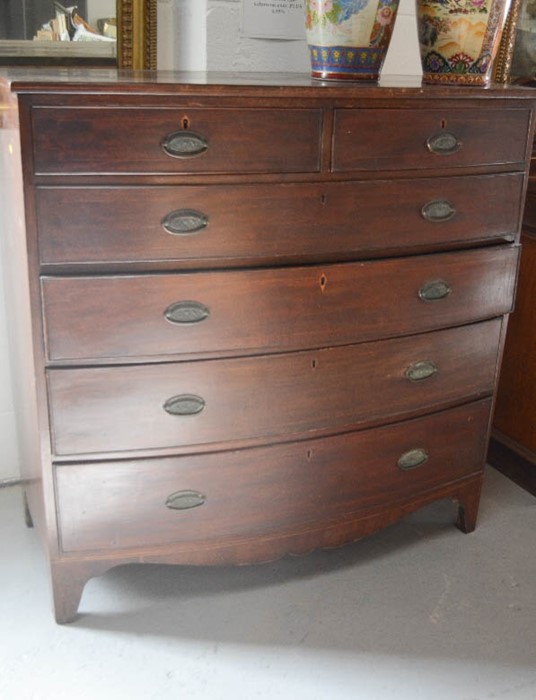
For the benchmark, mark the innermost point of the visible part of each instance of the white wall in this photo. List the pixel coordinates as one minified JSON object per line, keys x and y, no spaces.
{"x":201,"y":35}
{"x":205,"y":34}
{"x":9,"y":462}
{"x":97,"y":9}
{"x":9,"y":459}
{"x":228,"y":50}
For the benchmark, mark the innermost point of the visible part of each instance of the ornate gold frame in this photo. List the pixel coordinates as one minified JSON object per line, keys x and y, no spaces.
{"x":136,"y":43}
{"x":503,"y":60}
{"x":136,"y":39}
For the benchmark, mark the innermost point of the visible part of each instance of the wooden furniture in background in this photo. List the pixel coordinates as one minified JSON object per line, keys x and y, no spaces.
{"x":267,"y":314}
{"x":513,"y":442}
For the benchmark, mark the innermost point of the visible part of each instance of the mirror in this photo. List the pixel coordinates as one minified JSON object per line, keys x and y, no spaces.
{"x":91,"y":33}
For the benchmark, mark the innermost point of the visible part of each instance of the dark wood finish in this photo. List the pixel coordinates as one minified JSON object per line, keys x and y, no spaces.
{"x":515,"y":412}
{"x":361,"y":143}
{"x":270,"y":397}
{"x":71,"y":572}
{"x":510,"y":458}
{"x":90,"y":318}
{"x":513,"y":450}
{"x":296,"y":381}
{"x":270,"y":223}
{"x":313,"y":483}
{"x":130,"y":140}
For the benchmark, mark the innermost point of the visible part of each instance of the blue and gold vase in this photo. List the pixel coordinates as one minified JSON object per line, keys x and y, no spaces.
{"x":348,"y":39}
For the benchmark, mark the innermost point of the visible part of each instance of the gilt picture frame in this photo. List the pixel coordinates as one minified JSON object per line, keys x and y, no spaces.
{"x":135,"y":49}
{"x":516,"y":58}
{"x":136,"y":34}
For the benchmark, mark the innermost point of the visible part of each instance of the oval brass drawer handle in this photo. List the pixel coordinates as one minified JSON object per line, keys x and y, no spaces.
{"x":186,"y":313}
{"x":412,"y":459}
{"x":434,"y":290}
{"x":443,"y":143}
{"x":184,"y":405}
{"x":419,"y":371}
{"x":438,"y":210}
{"x":184,"y":144}
{"x":184,"y":222}
{"x":184,"y":500}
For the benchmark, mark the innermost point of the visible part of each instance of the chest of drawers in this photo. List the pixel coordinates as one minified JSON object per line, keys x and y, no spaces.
{"x":267,"y":315}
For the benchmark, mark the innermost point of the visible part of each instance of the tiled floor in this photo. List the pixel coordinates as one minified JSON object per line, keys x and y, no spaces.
{"x":417,"y":611}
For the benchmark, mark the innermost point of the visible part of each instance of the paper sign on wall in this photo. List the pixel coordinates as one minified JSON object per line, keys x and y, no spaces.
{"x":273,"y":19}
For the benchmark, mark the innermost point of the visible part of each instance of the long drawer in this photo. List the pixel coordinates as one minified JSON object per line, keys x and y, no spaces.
{"x":85,"y":140}
{"x":208,"y":403}
{"x":260,"y":491}
{"x":254,"y":311}
{"x":376,"y":139}
{"x":220,"y":223}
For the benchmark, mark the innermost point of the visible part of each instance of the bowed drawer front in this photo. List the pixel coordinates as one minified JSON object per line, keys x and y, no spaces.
{"x":268,"y":397}
{"x":250,"y":311}
{"x":218,"y":224}
{"x":266,"y":318}
{"x":315,"y":484}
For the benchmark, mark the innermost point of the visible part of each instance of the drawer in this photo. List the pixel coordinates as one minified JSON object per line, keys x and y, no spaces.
{"x":383,"y":139}
{"x":268,"y":398}
{"x":191,"y":315}
{"x":85,"y":140}
{"x":217,"y":225}
{"x":280,"y":489}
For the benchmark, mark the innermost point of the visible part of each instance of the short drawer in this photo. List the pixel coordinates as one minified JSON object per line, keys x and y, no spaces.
{"x":382,"y":139}
{"x":269,"y":490}
{"x":265,"y":398}
{"x":85,"y":140}
{"x":218,"y":225}
{"x":188,"y":315}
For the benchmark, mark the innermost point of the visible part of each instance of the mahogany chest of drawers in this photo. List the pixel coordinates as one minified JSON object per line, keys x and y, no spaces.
{"x":267,"y":314}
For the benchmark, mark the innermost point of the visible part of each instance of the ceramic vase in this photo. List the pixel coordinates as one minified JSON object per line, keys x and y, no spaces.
{"x":459,"y":39}
{"x":348,"y":39}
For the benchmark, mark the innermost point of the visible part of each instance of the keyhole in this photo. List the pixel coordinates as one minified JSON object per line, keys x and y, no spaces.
{"x":323,"y":198}
{"x":443,"y":124}
{"x":323,"y":282}
{"x":313,"y":364}
{"x":185,"y":123}
{"x":309,"y":454}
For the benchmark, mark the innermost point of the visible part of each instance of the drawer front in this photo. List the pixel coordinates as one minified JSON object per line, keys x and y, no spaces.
{"x":377,"y":139}
{"x":85,"y":140}
{"x":255,"y":311}
{"x":179,"y":405}
{"x":215,"y":225}
{"x":270,"y":490}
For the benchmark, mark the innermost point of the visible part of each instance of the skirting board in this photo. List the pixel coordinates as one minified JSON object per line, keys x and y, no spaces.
{"x":513,"y":461}
{"x":15,"y":481}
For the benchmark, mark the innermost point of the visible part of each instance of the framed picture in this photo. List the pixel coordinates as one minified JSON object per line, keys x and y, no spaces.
{"x":516,"y":58}
{"x":120,"y":33}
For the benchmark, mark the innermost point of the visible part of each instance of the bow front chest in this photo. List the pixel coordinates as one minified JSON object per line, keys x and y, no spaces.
{"x":267,"y":314}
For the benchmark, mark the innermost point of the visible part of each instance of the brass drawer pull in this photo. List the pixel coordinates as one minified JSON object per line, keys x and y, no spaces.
{"x":434,"y":291}
{"x":443,"y":143}
{"x":184,"y":144}
{"x":184,"y":500}
{"x":184,"y":222}
{"x":419,"y":371}
{"x":186,"y":313}
{"x":412,"y":459}
{"x":438,"y":210}
{"x":184,"y":405}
